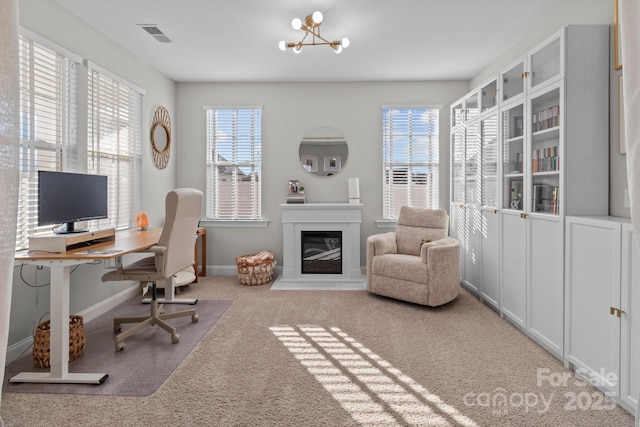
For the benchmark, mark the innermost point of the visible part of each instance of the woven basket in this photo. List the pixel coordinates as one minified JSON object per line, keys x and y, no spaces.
{"x":256,"y":269}
{"x":42,"y":338}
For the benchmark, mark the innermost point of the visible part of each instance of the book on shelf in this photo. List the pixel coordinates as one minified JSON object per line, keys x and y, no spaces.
{"x":546,"y":118}
{"x":545,"y":159}
{"x":517,"y":126}
{"x":516,"y":164}
{"x":545,"y":198}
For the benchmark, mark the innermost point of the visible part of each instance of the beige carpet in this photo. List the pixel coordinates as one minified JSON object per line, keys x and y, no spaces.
{"x":328,"y":358}
{"x":146,"y":361}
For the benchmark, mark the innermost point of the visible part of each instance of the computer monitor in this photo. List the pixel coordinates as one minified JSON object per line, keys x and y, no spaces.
{"x":65,"y":198}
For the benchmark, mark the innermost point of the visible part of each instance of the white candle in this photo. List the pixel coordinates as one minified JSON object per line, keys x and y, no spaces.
{"x":354,"y":190}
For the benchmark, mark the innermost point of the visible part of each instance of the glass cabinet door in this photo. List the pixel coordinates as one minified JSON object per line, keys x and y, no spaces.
{"x":472,"y":164}
{"x":489,"y":170}
{"x":546,"y":62}
{"x":457,"y":115}
{"x":513,"y":82}
{"x":545,"y":113}
{"x":489,"y":93}
{"x":457,"y":155}
{"x":513,"y":160}
{"x":471,"y":106}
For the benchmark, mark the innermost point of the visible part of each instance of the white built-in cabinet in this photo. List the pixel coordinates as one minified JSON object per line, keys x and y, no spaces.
{"x":529,"y":148}
{"x":602,"y":298}
{"x":475,"y":189}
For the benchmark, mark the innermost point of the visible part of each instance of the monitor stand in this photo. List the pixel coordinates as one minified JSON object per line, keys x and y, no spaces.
{"x":69,"y":228}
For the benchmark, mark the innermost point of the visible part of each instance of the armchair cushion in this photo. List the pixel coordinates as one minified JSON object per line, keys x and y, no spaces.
{"x":414,"y":226}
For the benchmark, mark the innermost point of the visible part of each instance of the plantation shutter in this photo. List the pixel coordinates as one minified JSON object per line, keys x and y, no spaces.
{"x":234,"y":162}
{"x":48,"y":123}
{"x":114,"y":138}
{"x":410,"y":159}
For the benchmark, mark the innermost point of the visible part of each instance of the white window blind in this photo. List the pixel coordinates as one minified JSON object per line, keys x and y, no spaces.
{"x":114,"y":145}
{"x":48,"y":124}
{"x":234,"y":159}
{"x":410,"y":159}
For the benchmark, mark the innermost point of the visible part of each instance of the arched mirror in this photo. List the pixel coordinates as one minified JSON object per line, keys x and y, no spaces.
{"x":161,"y":138}
{"x":323,"y":151}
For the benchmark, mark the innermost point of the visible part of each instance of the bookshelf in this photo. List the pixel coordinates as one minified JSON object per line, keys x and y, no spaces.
{"x":548,"y":159}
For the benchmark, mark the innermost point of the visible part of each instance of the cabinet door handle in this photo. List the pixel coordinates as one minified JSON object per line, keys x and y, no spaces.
{"x":524,"y":75}
{"x":616,"y":311}
{"x":523,"y":215}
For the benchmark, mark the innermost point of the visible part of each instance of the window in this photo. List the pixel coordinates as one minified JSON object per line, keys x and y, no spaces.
{"x":234,"y":152}
{"x":410,"y":141}
{"x":48,"y":116}
{"x":114,"y":143}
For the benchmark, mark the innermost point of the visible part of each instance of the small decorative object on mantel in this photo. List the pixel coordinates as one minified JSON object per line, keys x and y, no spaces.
{"x":354,"y":190}
{"x":296,"y":192}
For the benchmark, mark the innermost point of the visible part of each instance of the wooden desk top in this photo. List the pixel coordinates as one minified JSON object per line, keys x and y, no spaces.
{"x":127,"y":241}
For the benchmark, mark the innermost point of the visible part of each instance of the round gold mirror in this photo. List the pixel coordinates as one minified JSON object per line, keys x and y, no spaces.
{"x":161,"y":138}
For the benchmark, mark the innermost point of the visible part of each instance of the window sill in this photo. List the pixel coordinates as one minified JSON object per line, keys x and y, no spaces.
{"x":224,"y":223}
{"x":386,"y":223}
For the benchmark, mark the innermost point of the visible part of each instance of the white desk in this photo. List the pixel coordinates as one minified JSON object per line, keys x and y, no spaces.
{"x":60,"y":264}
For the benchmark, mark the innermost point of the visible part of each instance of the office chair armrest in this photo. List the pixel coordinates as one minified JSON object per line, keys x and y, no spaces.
{"x":156,"y":249}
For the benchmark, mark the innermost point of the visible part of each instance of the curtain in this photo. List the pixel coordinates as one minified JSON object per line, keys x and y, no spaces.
{"x":629,"y":20}
{"x":9,"y":139}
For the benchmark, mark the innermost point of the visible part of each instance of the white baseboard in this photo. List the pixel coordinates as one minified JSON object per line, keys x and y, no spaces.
{"x":16,"y":350}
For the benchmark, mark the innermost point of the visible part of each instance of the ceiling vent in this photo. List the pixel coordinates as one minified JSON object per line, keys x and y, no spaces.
{"x":155,"y":32}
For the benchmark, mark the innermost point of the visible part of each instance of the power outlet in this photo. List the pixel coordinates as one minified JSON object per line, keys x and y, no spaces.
{"x":627,"y":201}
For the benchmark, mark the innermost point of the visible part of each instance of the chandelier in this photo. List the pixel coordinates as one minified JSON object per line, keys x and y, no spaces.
{"x":311,"y":26}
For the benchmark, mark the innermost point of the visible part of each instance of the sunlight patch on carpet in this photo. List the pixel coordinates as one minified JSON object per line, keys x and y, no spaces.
{"x":365,"y":385}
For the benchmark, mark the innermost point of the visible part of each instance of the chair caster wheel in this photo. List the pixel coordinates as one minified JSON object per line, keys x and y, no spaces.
{"x":119,"y":346}
{"x":117,"y":328}
{"x":194,"y":318}
{"x":175,"y":338}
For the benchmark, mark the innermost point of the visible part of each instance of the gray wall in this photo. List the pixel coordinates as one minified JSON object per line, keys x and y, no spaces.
{"x":290,"y":111}
{"x":55,"y":24}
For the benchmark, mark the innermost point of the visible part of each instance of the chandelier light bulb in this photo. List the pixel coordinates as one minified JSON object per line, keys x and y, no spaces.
{"x":317,"y":17}
{"x":282,"y":45}
{"x":338,"y":48}
{"x":297,"y":49}
{"x":345,"y":42}
{"x":296,"y":23}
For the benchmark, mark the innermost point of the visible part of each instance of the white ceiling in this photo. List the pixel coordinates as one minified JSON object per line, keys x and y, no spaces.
{"x":237,"y":40}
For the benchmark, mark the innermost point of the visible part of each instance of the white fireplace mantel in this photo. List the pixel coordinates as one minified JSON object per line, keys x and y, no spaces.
{"x":298,"y":217}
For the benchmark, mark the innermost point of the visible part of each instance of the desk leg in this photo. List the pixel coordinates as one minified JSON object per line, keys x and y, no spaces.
{"x":59,"y":338}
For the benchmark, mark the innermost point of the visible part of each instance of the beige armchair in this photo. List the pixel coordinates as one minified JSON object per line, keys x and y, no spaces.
{"x":172,"y":254}
{"x":416,"y":263}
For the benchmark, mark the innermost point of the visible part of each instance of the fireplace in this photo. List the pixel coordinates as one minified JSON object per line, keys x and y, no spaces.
{"x":321,"y":246}
{"x":321,"y":252}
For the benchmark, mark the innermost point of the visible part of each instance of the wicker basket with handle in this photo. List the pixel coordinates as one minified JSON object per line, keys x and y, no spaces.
{"x":256,"y":269}
{"x":42,"y":341}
